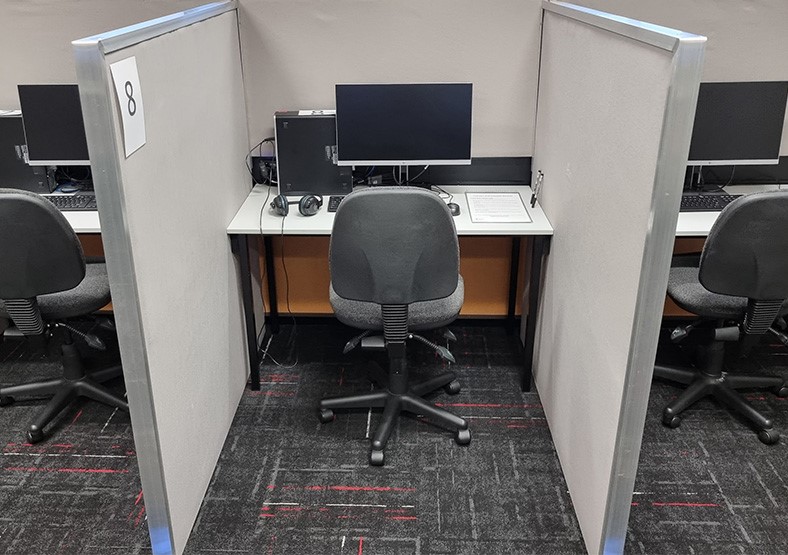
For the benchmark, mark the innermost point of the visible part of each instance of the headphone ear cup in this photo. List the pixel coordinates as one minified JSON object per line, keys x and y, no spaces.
{"x":310,"y":204}
{"x":280,"y":205}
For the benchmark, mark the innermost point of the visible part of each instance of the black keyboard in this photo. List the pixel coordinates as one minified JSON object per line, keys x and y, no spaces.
{"x":705,"y":203}
{"x":333,"y":203}
{"x":66,"y":203}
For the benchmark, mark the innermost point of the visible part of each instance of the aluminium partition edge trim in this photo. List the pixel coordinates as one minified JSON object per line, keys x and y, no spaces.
{"x":688,"y":51}
{"x":96,"y":93}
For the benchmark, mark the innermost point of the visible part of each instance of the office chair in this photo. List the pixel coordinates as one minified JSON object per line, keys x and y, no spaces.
{"x":44,"y":281}
{"x":741,"y":285}
{"x":394,"y":259}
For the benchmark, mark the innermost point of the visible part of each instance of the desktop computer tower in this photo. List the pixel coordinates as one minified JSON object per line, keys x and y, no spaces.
{"x":14,"y":173}
{"x":306,"y":154}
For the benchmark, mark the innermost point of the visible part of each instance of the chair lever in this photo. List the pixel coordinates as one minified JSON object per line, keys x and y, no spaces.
{"x":680,"y":333}
{"x":443,"y":352}
{"x":448,"y":334}
{"x":93,"y":341}
{"x":353,"y":343}
{"x":781,"y":337}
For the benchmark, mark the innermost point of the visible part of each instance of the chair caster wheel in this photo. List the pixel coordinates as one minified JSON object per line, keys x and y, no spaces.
{"x":326,"y":415}
{"x":769,"y":437}
{"x":453,"y":387}
{"x":671,"y":421}
{"x":34,"y":436}
{"x":779,"y":391}
{"x":6,"y":400}
{"x":463,"y":437}
{"x":376,"y":458}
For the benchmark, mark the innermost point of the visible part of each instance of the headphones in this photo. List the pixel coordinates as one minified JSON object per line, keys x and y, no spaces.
{"x":307,"y":206}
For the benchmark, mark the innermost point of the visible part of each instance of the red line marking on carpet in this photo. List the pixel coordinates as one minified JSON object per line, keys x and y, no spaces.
{"x":287,"y":509}
{"x":139,"y":517}
{"x":271,"y":545}
{"x":360,"y":545}
{"x":682,"y":504}
{"x":268,"y":515}
{"x":272,"y":393}
{"x":358,"y":488}
{"x":139,"y":498}
{"x":401,"y":518}
{"x":489,"y":405}
{"x":75,"y":470}
{"x":634,"y":503}
{"x":77,"y":416}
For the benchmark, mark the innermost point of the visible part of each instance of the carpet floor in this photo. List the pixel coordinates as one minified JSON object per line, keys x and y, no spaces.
{"x":286,"y":484}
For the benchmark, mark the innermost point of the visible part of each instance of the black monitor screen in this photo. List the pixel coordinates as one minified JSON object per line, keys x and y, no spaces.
{"x":401,"y":124}
{"x":738,"y":123}
{"x":54,"y":131}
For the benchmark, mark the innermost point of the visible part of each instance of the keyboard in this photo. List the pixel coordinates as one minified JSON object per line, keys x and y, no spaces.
{"x":333,"y":202}
{"x":66,"y":203}
{"x":705,"y":203}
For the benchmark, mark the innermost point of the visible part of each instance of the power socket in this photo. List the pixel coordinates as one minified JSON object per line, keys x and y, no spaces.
{"x":263,"y":169}
{"x":375,"y":180}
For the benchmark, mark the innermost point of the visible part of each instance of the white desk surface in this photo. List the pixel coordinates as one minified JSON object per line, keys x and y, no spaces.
{"x":256,"y":217}
{"x":698,"y":224}
{"x":84,"y":222}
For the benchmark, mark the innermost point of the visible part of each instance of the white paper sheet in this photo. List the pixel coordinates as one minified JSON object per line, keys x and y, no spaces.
{"x":497,"y":207}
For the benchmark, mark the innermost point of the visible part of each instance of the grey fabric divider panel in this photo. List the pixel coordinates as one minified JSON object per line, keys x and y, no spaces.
{"x":602,"y":109}
{"x":168,"y":205}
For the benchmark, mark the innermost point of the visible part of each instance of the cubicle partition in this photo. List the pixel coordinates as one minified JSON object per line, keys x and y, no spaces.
{"x":177,"y":95}
{"x":614,"y":118}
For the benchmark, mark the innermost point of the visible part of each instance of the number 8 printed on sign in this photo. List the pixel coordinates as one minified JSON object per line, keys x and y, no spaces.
{"x":129,"y":96}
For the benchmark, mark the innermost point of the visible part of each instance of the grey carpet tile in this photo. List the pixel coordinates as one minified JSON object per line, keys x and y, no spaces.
{"x":79,"y":490}
{"x":287,"y":484}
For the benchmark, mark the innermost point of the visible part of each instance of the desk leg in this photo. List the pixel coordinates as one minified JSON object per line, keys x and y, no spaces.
{"x":514,"y":268}
{"x":273,"y":309}
{"x":534,"y":287}
{"x":240,"y":246}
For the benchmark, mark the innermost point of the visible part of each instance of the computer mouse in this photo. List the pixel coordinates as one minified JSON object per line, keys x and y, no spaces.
{"x":454,"y":208}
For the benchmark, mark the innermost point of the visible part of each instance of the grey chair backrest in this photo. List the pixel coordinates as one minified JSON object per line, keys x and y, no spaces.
{"x":39,"y":254}
{"x":746,"y":252}
{"x":746,"y":255}
{"x":394,"y":246}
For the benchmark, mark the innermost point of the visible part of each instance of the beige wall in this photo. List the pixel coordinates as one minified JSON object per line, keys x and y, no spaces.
{"x":295,"y":50}
{"x":35,"y":36}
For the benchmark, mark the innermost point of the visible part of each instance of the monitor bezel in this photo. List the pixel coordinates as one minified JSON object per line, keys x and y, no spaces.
{"x":408,"y":162}
{"x":741,"y":162}
{"x":46,"y":161}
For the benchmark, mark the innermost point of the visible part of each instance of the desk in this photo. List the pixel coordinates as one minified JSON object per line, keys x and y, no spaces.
{"x":698,"y":224}
{"x":84,"y":221}
{"x":253,"y":218}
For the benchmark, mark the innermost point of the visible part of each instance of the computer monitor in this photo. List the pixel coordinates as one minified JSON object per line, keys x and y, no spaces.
{"x":54,"y":131}
{"x":403,"y":124}
{"x":14,"y":173}
{"x":738,"y":123}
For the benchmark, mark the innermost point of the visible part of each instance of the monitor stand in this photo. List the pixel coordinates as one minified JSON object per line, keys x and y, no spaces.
{"x":696,"y":184}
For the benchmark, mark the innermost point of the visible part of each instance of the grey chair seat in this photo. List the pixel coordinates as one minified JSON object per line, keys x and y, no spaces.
{"x":421,"y":315}
{"x":685,"y":289}
{"x":91,"y":294}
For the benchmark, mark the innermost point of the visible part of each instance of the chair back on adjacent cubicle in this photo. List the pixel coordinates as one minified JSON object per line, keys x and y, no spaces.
{"x":40,"y":251}
{"x":741,"y":287}
{"x":746,"y":252}
{"x":44,"y":281}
